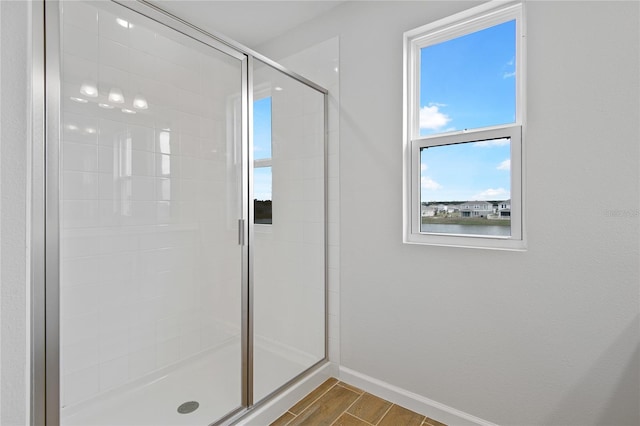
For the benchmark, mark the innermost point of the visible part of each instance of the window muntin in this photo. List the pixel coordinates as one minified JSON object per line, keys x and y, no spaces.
{"x":466,"y":119}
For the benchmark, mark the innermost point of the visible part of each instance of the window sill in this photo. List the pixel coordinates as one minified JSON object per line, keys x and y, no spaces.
{"x":486,"y":243}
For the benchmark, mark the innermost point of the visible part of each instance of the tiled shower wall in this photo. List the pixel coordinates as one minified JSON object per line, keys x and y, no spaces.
{"x":289,"y":274}
{"x":321,"y":63}
{"x":150,"y":265}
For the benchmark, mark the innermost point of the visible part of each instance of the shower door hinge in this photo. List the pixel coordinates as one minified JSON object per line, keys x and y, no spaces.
{"x":241,"y":232}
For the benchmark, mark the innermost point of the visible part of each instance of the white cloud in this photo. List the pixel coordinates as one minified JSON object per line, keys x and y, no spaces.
{"x":505,"y":165}
{"x":428,"y":183}
{"x":509,"y":74}
{"x":432,"y":119}
{"x":492,"y":194}
{"x":423,"y":167}
{"x":493,"y":142}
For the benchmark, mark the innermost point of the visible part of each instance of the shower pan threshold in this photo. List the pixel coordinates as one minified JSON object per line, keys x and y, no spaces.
{"x":204,"y":380}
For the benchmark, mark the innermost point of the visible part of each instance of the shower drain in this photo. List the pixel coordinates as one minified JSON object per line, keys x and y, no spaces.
{"x":188,"y":407}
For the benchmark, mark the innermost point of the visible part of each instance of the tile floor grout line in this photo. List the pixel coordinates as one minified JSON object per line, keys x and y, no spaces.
{"x":346,"y":409}
{"x":387,"y":412}
{"x":345,"y":412}
{"x":354,"y":401}
{"x":351,"y":388}
{"x":359,"y":418}
{"x":351,"y":405}
{"x":294,"y":417}
{"x":315,"y":400}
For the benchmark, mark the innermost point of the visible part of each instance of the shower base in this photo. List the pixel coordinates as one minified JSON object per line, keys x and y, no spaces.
{"x":212,"y":380}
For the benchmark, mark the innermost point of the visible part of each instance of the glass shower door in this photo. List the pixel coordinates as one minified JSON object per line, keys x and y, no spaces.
{"x":289,"y":229}
{"x":150,"y":197}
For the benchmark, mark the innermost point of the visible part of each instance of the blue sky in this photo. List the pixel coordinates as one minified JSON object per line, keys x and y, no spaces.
{"x":262,"y":180}
{"x":468,"y":83}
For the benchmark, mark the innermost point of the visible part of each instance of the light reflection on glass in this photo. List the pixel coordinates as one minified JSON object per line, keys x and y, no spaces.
{"x":165,"y":165}
{"x":165,"y":142}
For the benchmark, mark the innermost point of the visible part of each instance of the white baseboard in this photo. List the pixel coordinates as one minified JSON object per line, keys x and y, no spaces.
{"x":270,"y":411}
{"x":428,"y":407}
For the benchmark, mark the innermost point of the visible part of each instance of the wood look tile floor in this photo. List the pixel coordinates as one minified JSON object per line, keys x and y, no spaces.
{"x":337,"y":403}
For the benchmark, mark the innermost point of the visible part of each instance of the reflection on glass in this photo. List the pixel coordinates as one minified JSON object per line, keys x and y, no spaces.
{"x":150,"y":271}
{"x":262,"y":128}
{"x":262,"y":197}
{"x":289,"y":274}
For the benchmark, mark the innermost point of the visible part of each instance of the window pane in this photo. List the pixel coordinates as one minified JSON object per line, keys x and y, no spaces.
{"x":466,"y":188}
{"x":469,"y":82}
{"x":262,"y":186}
{"x":262,"y":129}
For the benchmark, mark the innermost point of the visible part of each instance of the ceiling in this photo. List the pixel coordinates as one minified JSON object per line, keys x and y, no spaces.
{"x":250,"y":22}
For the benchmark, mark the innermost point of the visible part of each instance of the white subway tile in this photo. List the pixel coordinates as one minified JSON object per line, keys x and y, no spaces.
{"x":113,"y":344}
{"x":114,"y":54}
{"x":142,"y":362}
{"x":79,"y":128}
{"x":189,"y":145}
{"x":109,"y":27}
{"x":80,"y":42}
{"x":80,"y":15}
{"x":79,"y":157}
{"x":80,"y":214}
{"x":81,"y":385}
{"x":167,"y":142}
{"x":142,"y":138}
{"x":79,"y":186}
{"x":189,"y":124}
{"x":108,"y":186}
{"x":143,"y":163}
{"x":142,"y":63}
{"x":189,"y":344}
{"x":114,"y":373}
{"x":79,"y":271}
{"x":79,"y":300}
{"x":143,"y":39}
{"x":112,"y":133}
{"x":165,"y":189}
{"x":142,"y":335}
{"x":167,"y":165}
{"x":168,"y":352}
{"x":143,"y":188}
{"x":80,"y":355}
{"x":78,"y":245}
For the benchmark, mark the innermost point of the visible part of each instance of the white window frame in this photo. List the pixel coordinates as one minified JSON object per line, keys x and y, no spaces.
{"x":472,"y":20}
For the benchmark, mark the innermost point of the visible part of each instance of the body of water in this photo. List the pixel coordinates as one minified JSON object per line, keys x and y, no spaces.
{"x":440,"y":228}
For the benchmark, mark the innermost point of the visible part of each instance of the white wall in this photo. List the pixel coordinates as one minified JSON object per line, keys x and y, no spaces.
{"x":548,"y":336}
{"x":14,"y":83}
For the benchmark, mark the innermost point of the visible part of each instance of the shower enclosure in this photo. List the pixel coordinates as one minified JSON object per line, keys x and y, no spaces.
{"x":185,"y":220}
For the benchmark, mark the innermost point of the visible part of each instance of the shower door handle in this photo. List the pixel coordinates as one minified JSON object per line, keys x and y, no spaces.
{"x":241,"y":232}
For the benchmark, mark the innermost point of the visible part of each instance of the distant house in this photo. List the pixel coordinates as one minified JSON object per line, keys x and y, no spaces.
{"x":450,"y":208}
{"x":476,"y":209}
{"x":428,"y":211}
{"x":504,"y":209}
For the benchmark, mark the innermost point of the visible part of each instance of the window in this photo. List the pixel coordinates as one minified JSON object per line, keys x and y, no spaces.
{"x":463,"y":117}
{"x":262,"y":172}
